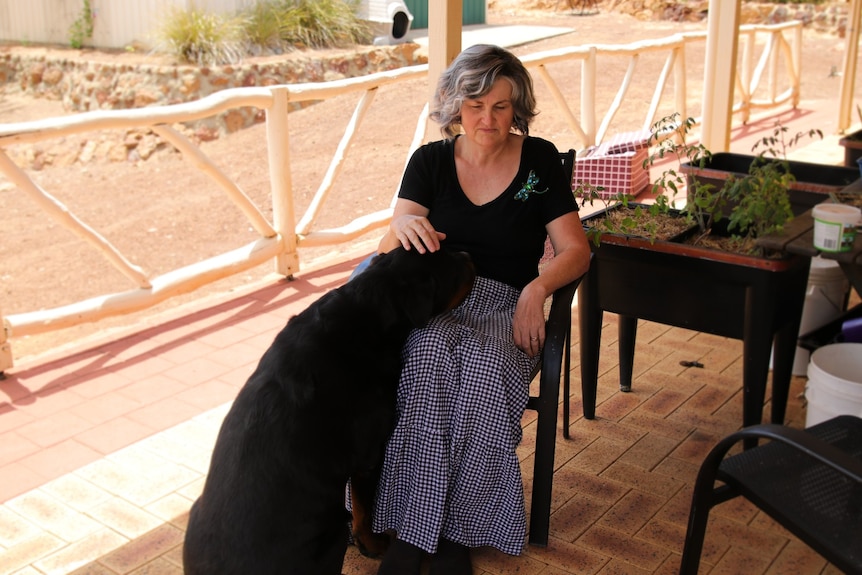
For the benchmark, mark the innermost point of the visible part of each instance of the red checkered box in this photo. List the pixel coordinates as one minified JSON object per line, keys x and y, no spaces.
{"x":616,"y":165}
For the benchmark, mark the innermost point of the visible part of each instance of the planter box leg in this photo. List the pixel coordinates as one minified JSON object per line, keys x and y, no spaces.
{"x":786,"y":338}
{"x":783,"y":353}
{"x":756,"y":347}
{"x":628,"y":332}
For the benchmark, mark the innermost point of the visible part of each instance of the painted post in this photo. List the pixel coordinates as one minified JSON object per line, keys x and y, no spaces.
{"x":444,"y":43}
{"x":283,"y":215}
{"x":719,"y":73}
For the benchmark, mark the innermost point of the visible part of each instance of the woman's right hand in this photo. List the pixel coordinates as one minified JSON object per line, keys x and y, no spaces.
{"x":416,"y":231}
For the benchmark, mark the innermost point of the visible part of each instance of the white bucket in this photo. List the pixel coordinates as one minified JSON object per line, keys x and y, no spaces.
{"x":834,"y":382}
{"x":825,"y":300}
{"x":835,"y":226}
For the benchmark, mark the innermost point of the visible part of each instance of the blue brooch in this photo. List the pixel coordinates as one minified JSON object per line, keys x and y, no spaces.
{"x":529,"y":187}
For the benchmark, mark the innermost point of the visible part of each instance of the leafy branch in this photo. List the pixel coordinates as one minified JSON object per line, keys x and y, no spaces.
{"x":82,"y":27}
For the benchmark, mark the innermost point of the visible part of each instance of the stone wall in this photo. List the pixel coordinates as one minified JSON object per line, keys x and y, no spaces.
{"x":88,"y":80}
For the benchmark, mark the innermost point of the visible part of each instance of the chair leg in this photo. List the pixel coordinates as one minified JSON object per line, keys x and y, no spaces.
{"x":704,"y":496}
{"x":567,"y":381}
{"x":701,"y":503}
{"x":693,"y":546}
{"x":555,"y":358}
{"x":543,"y":474}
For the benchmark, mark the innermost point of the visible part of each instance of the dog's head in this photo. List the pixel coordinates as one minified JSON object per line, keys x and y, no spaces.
{"x":420,"y":286}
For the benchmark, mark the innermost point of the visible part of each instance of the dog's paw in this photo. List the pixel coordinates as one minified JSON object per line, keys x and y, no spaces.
{"x":372,"y":545}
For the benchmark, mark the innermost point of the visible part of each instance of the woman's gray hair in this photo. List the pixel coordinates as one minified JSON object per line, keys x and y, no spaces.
{"x":471,"y":75}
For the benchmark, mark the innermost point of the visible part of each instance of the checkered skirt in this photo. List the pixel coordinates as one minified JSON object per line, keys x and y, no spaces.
{"x":450,"y":468}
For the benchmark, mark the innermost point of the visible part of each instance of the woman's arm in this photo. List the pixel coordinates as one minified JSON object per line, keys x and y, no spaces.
{"x":571,"y":260}
{"x":410,"y":228}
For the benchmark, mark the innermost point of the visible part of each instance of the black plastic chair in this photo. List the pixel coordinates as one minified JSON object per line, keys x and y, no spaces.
{"x":809,"y":481}
{"x":555,"y":362}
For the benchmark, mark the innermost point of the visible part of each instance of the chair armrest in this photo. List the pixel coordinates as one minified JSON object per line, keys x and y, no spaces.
{"x":797,"y":439}
{"x":559,"y":320}
{"x":557,"y":328}
{"x":812,"y":446}
{"x":560,"y":314}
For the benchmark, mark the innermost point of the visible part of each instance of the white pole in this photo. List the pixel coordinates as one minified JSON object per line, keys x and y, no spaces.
{"x":283,"y":215}
{"x":719,"y":73}
{"x":848,"y":76}
{"x":444,"y":43}
{"x":5,"y":346}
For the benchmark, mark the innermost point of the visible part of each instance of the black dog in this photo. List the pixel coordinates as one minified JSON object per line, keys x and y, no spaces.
{"x":318,"y":410}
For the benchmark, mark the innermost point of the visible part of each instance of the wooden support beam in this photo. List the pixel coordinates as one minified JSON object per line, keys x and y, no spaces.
{"x":720,"y":73}
{"x":848,"y":75}
{"x":444,"y":43}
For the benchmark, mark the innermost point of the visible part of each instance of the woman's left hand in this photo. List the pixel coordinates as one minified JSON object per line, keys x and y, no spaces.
{"x":571,"y":260}
{"x":528,"y":323}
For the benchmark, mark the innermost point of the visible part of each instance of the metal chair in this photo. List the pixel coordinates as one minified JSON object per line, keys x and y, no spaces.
{"x":555,"y":362}
{"x":809,"y":481}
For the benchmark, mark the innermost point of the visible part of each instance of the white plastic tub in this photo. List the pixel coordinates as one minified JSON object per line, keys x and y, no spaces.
{"x":834,"y":382}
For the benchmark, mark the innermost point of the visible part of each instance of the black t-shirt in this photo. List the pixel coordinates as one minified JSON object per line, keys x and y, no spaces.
{"x":505,"y":237}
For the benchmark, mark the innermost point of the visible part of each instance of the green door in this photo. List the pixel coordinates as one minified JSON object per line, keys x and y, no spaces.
{"x":419,"y":9}
{"x":473,"y":12}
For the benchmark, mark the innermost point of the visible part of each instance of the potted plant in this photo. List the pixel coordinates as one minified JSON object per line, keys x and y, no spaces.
{"x":811,"y":183}
{"x":728,"y":210}
{"x":639,"y":274}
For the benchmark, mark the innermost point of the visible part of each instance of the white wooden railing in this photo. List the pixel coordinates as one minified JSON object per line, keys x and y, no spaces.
{"x":750,"y":73}
{"x":280,"y":239}
{"x":750,"y":91}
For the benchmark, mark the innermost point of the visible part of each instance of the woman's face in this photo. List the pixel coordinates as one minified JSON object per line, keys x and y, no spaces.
{"x":487,"y":120}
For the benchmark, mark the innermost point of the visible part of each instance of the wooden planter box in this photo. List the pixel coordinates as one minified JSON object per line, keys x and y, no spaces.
{"x":813,"y":183}
{"x":756,"y":300}
{"x":852,"y":148}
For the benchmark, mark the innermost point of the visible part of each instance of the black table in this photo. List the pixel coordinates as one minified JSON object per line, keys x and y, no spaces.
{"x":798,"y":238}
{"x":696,"y":289}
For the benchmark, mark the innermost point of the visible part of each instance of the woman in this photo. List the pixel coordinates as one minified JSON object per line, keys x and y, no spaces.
{"x":451,"y":478}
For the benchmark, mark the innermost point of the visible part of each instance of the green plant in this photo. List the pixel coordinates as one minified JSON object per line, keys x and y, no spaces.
{"x":703,"y":201}
{"x":262,"y":28}
{"x":272,"y":26}
{"x":668,"y":137}
{"x":201,"y":37}
{"x":82,"y":27}
{"x":759,"y":201}
{"x":634,"y":220}
{"x":320,"y":23}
